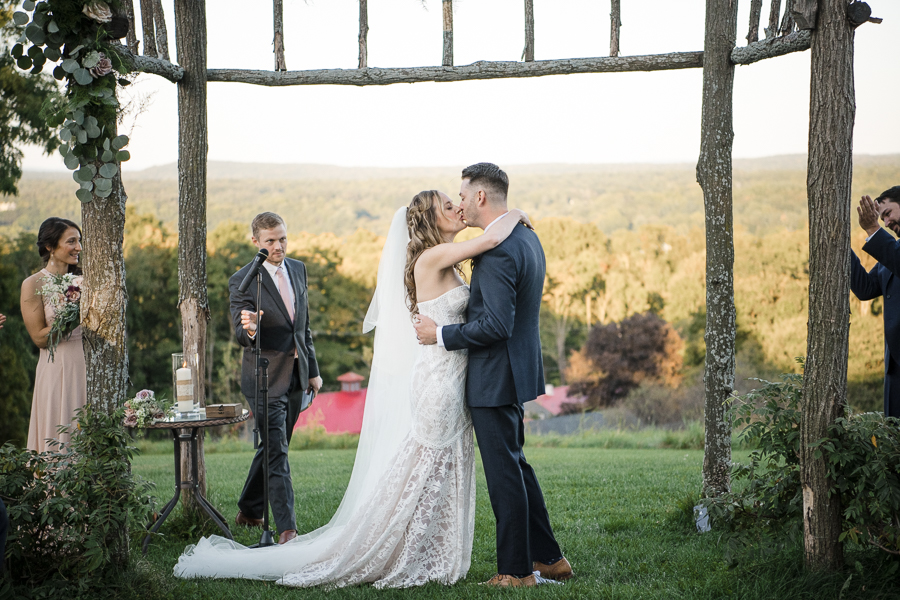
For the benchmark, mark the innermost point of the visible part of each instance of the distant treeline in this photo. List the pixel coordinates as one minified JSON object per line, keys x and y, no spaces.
{"x":608,"y":257}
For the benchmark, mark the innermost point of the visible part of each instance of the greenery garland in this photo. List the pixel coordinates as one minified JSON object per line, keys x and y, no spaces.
{"x":79,"y":35}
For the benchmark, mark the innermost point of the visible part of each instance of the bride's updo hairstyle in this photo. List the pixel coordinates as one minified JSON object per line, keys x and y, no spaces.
{"x":421,"y":221}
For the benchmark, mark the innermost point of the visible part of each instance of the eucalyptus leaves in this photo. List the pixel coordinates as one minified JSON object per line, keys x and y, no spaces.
{"x":78,"y":35}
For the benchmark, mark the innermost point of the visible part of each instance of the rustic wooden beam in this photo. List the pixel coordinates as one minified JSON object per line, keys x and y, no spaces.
{"x":615,"y":26}
{"x":447,"y":59}
{"x":147,"y":26}
{"x":774,"y":14}
{"x":131,"y":37}
{"x":755,"y":10}
{"x":478,"y":70}
{"x":757,"y":51}
{"x":787,"y":21}
{"x":529,"y":31}
{"x":278,"y":40}
{"x":147,"y":64}
{"x":162,"y":36}
{"x":805,"y":13}
{"x":363,"y":33}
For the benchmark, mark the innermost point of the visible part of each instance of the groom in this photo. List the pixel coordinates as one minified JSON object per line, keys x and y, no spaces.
{"x":505,"y":371}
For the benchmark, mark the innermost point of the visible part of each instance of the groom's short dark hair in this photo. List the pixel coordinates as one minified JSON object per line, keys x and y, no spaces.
{"x":488,"y":175}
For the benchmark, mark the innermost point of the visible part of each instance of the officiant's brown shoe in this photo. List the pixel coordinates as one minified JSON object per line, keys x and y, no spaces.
{"x":286,"y":536}
{"x":560,"y":570}
{"x":511,"y":581}
{"x":242,"y":519}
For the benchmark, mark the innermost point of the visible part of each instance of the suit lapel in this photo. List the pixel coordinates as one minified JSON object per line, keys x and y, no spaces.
{"x":294,"y":276}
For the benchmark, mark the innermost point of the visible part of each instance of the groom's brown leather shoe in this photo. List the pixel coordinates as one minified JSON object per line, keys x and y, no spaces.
{"x":242,"y":519}
{"x":559,"y":571}
{"x":286,"y":536}
{"x":511,"y":581}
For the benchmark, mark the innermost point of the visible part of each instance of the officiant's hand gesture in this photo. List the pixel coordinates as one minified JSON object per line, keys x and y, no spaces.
{"x":248,"y":320}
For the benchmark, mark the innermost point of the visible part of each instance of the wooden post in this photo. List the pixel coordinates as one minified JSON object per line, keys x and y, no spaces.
{"x":363,"y":33}
{"x":715,"y":178}
{"x":529,"y":31}
{"x":615,"y":26}
{"x":829,"y":174}
{"x":131,"y":41}
{"x":447,"y":59}
{"x":787,"y":22}
{"x":190,"y":43}
{"x":804,"y":12}
{"x":147,"y":26}
{"x":755,"y":10}
{"x":774,"y":13}
{"x":278,"y":41}
{"x":162,"y":35}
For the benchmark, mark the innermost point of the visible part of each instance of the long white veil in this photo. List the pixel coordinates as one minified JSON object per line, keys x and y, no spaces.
{"x":386,"y":422}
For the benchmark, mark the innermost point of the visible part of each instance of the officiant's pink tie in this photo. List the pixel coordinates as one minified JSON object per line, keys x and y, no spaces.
{"x":285,"y":293}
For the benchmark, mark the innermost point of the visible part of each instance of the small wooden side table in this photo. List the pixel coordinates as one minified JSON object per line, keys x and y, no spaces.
{"x":185,"y":432}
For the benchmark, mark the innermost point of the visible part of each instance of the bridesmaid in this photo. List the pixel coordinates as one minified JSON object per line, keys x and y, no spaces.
{"x":59,"y":386}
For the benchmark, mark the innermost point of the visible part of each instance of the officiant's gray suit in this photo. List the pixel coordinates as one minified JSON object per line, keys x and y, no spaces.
{"x":292,"y":362}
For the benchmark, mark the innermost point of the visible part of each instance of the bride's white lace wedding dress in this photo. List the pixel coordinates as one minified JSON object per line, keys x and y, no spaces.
{"x":414,"y":522}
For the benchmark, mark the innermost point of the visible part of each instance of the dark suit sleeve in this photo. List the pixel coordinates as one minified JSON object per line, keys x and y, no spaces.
{"x":497,"y":277}
{"x":310,"y":350}
{"x":865,"y":286}
{"x":885,"y":249}
{"x":239,"y":301}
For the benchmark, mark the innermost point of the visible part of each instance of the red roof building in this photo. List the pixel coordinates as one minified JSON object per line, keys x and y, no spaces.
{"x":338,"y":412}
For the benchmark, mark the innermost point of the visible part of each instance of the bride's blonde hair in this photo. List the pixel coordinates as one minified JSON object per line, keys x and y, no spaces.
{"x":421,"y":221}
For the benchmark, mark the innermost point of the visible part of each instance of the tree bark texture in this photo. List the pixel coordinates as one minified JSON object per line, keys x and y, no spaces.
{"x":787,"y":21}
{"x":278,"y":40}
{"x":805,"y":13}
{"x":147,"y":26}
{"x":755,"y":11}
{"x":770,"y":48}
{"x":147,"y":64}
{"x":363,"y":34}
{"x":829,"y":174}
{"x":715,"y":178}
{"x":615,"y":26}
{"x":105,"y":298}
{"x":529,"y":31}
{"x":190,"y":41}
{"x":447,"y":57}
{"x":131,"y":36}
{"x":774,"y":14}
{"x":478,"y":70}
{"x":162,"y":33}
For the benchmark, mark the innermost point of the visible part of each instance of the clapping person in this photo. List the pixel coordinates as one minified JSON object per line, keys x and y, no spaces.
{"x":49,"y":302}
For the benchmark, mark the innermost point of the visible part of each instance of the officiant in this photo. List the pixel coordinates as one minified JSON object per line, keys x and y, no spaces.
{"x":286,"y":341}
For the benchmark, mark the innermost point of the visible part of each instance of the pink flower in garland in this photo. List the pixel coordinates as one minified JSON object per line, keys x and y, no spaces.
{"x":104,"y":67}
{"x":98,"y":11}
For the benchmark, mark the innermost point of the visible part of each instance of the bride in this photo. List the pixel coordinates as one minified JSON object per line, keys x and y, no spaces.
{"x":408,"y":515}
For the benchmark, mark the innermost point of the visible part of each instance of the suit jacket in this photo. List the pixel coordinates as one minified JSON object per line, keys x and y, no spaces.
{"x":502,"y":332}
{"x":280,"y":337}
{"x":881,"y":281}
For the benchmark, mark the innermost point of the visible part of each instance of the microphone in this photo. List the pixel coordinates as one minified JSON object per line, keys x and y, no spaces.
{"x":258,"y":260}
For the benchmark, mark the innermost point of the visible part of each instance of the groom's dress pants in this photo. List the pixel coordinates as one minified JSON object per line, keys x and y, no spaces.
{"x":523,"y":525}
{"x":283,"y":413}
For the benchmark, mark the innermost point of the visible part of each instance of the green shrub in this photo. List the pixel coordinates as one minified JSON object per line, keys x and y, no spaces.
{"x":71,"y":510}
{"x":764,"y":509}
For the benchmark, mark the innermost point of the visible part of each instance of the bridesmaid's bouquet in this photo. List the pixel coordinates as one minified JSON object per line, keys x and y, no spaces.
{"x":144,"y":409}
{"x":63,"y":293}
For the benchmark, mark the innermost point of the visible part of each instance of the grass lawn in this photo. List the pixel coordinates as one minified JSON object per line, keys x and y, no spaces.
{"x":619,"y":515}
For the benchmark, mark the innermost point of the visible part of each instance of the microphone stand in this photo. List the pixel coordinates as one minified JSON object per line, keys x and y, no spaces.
{"x":262,"y":393}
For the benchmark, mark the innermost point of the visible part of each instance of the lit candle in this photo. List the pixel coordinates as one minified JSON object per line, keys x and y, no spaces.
{"x":185,"y":390}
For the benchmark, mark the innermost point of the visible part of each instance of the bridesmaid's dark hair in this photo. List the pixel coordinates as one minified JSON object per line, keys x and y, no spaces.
{"x":49,"y":235}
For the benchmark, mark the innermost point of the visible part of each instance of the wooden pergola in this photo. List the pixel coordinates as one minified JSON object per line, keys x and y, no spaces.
{"x":825,"y":26}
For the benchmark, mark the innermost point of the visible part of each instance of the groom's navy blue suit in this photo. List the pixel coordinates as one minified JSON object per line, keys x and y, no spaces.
{"x":505,"y":371}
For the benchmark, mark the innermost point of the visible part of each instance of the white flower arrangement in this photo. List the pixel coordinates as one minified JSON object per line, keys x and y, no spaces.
{"x":145,"y":409}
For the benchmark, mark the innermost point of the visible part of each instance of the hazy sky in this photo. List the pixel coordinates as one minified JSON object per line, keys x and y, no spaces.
{"x":596,"y":118}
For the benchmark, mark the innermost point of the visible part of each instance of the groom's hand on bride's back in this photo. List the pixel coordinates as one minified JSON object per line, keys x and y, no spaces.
{"x":426,"y":330}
